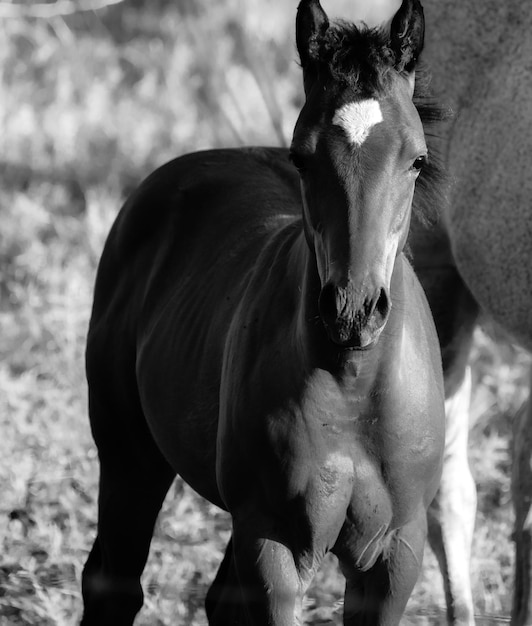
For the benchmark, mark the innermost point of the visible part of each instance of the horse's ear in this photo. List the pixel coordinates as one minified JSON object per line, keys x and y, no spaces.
{"x":407,"y":34}
{"x":311,"y":24}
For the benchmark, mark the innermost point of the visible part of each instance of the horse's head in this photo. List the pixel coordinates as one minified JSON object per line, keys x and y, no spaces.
{"x":359,"y":146}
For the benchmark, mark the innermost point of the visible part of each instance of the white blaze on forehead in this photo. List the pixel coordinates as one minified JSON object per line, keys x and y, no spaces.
{"x":358,"y":118}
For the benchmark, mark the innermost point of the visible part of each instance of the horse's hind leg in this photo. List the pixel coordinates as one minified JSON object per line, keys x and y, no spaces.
{"x":451,"y":516}
{"x":134,"y":479}
{"x":223,"y":604}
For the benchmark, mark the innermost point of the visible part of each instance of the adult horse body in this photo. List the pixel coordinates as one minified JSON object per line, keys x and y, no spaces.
{"x":243,"y":336}
{"x":479,"y":54}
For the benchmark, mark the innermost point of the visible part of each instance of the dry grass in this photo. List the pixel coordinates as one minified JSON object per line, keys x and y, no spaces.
{"x":88,"y":107}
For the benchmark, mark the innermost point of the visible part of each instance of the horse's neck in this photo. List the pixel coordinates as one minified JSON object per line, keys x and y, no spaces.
{"x":470,"y":41}
{"x":303,"y":274}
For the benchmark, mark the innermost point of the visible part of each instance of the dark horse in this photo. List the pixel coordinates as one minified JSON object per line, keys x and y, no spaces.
{"x":262,"y":334}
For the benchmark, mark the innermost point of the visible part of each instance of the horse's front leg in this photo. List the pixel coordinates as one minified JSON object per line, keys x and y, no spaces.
{"x":378,"y":596}
{"x":267,"y":573}
{"x":258,"y":583}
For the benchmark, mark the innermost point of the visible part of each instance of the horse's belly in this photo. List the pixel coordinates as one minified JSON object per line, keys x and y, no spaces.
{"x":189,"y":446}
{"x":179,"y":395}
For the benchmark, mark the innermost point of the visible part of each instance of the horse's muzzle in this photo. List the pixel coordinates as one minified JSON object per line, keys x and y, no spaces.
{"x":353,"y":319}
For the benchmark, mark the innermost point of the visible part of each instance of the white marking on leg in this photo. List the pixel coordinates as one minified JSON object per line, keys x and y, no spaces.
{"x":358,"y":118}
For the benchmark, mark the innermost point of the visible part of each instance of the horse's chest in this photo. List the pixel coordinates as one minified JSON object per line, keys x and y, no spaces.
{"x":337,"y":455}
{"x":382,"y":448}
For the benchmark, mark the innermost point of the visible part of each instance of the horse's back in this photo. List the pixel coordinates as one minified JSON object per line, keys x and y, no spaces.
{"x":196,"y":212}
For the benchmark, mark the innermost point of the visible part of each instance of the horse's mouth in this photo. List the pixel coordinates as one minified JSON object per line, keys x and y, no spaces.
{"x":361,"y":340}
{"x":365,"y":348}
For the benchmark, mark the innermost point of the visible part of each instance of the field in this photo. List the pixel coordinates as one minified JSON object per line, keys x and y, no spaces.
{"x":91,"y":103}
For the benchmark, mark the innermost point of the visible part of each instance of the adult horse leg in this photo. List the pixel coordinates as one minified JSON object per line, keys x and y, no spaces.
{"x":451,"y":516}
{"x":134,"y":479}
{"x":378,"y":597}
{"x":522,"y":498}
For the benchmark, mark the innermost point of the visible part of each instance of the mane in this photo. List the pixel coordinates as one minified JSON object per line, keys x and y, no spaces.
{"x":362,"y":59}
{"x":430,"y":194}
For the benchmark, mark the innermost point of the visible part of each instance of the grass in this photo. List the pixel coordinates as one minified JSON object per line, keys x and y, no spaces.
{"x":90,"y":105}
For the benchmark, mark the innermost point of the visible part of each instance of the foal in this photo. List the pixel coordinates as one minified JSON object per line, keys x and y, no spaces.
{"x":261,"y":334}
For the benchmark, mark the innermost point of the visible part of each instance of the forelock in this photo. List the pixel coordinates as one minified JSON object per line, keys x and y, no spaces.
{"x":360,"y":59}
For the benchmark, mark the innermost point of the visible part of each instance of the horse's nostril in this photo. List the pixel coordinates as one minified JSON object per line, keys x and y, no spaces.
{"x":327,"y":303}
{"x":351,"y":318}
{"x":383,"y":304}
{"x":377,"y":305}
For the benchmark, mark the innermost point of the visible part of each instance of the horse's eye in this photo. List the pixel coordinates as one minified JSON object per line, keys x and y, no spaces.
{"x":419,"y":163}
{"x":297,"y":161}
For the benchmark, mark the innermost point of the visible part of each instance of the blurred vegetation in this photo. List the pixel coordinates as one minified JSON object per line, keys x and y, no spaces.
{"x":91,"y":103}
